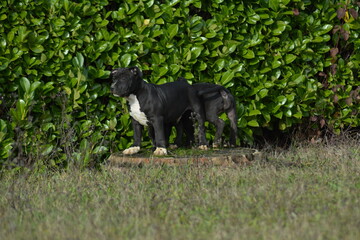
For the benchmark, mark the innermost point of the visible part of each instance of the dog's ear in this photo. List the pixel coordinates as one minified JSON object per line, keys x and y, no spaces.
{"x":136,"y":71}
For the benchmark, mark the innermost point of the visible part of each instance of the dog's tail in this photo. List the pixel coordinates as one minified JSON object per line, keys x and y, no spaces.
{"x":227,"y":98}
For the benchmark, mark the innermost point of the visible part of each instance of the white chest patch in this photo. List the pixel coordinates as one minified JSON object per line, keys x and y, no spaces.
{"x":135,"y":110}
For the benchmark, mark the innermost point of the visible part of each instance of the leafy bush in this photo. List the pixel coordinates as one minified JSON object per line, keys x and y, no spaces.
{"x":286,"y":62}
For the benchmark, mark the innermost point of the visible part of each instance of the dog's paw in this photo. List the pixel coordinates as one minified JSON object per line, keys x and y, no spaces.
{"x":160,"y":151}
{"x":131,"y":150}
{"x":203,"y":147}
{"x":173,"y":146}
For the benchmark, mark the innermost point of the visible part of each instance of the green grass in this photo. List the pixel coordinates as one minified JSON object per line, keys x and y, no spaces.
{"x":310,"y":192}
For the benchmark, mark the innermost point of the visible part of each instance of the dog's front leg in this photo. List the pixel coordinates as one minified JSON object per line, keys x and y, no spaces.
{"x":160,"y":141}
{"x":135,"y":148}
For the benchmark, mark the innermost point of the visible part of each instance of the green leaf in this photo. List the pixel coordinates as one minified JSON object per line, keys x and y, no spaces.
{"x":274,"y":4}
{"x":267,"y":117}
{"x":242,"y":122}
{"x":10,"y":36}
{"x":280,"y":28}
{"x":275,"y":64}
{"x":34,"y":86}
{"x":156,"y":58}
{"x":279,"y":115}
{"x":227,"y":77}
{"x":253,"y":19}
{"x":298,"y":115}
{"x":3,"y":130}
{"x":66,"y":5}
{"x":196,"y":51}
{"x":100,"y":150}
{"x":210,"y":34}
{"x":215,"y":44}
{"x":189,"y":75}
{"x":3,"y":42}
{"x":281,"y":100}
{"x":37,"y":21}
{"x":219,"y":64}
{"x":201,"y":66}
{"x":253,"y":123}
{"x":149,"y":3}
{"x":25,"y":84}
{"x":22,"y":33}
{"x":47,"y":149}
{"x":125,"y":60}
{"x":323,"y":29}
{"x":254,"y":112}
{"x":4,"y":63}
{"x":48,"y":87}
{"x":80,"y":59}
{"x":45,"y":127}
{"x":20,"y":110}
{"x":263,"y":93}
{"x":174,"y":68}
{"x":249,"y":54}
{"x":289,"y":58}
{"x":296,"y":79}
{"x":265,"y":70}
{"x":345,"y":112}
{"x":102,"y":46}
{"x":6,"y":147}
{"x":112,"y":123}
{"x":3,"y":17}
{"x":162,"y":71}
{"x":288,"y":113}
{"x":172,"y":30}
{"x":133,"y":8}
{"x":37,"y":48}
{"x":58,"y":22}
{"x":282,"y":126}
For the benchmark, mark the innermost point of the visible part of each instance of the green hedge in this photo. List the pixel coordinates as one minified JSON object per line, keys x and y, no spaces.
{"x":285,"y":61}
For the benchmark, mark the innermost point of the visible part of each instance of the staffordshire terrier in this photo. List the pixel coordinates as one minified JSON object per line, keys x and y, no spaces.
{"x":216,"y":100}
{"x":156,"y":106}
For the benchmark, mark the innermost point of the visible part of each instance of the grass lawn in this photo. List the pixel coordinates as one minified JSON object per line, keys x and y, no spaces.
{"x":309,"y":192}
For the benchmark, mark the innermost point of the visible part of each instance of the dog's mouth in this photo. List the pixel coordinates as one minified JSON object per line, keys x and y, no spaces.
{"x":124,"y":95}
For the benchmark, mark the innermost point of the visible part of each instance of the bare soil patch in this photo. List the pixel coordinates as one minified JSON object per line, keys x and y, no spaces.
{"x":214,"y":157}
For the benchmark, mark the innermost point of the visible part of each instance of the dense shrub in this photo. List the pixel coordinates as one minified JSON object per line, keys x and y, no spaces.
{"x":286,"y":62}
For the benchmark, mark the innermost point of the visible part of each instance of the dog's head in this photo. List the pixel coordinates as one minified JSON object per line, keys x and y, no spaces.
{"x":125,"y":81}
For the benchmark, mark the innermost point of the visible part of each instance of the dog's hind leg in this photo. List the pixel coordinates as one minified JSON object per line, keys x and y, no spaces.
{"x":201,"y":125}
{"x":188,"y":128}
{"x":219,"y":124}
{"x":231,"y":113}
{"x":151,"y":133}
{"x":230,"y":109}
{"x":199,"y":113}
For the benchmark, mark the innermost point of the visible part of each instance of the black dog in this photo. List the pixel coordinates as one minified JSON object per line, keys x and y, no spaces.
{"x":216,"y":100}
{"x":156,"y":106}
